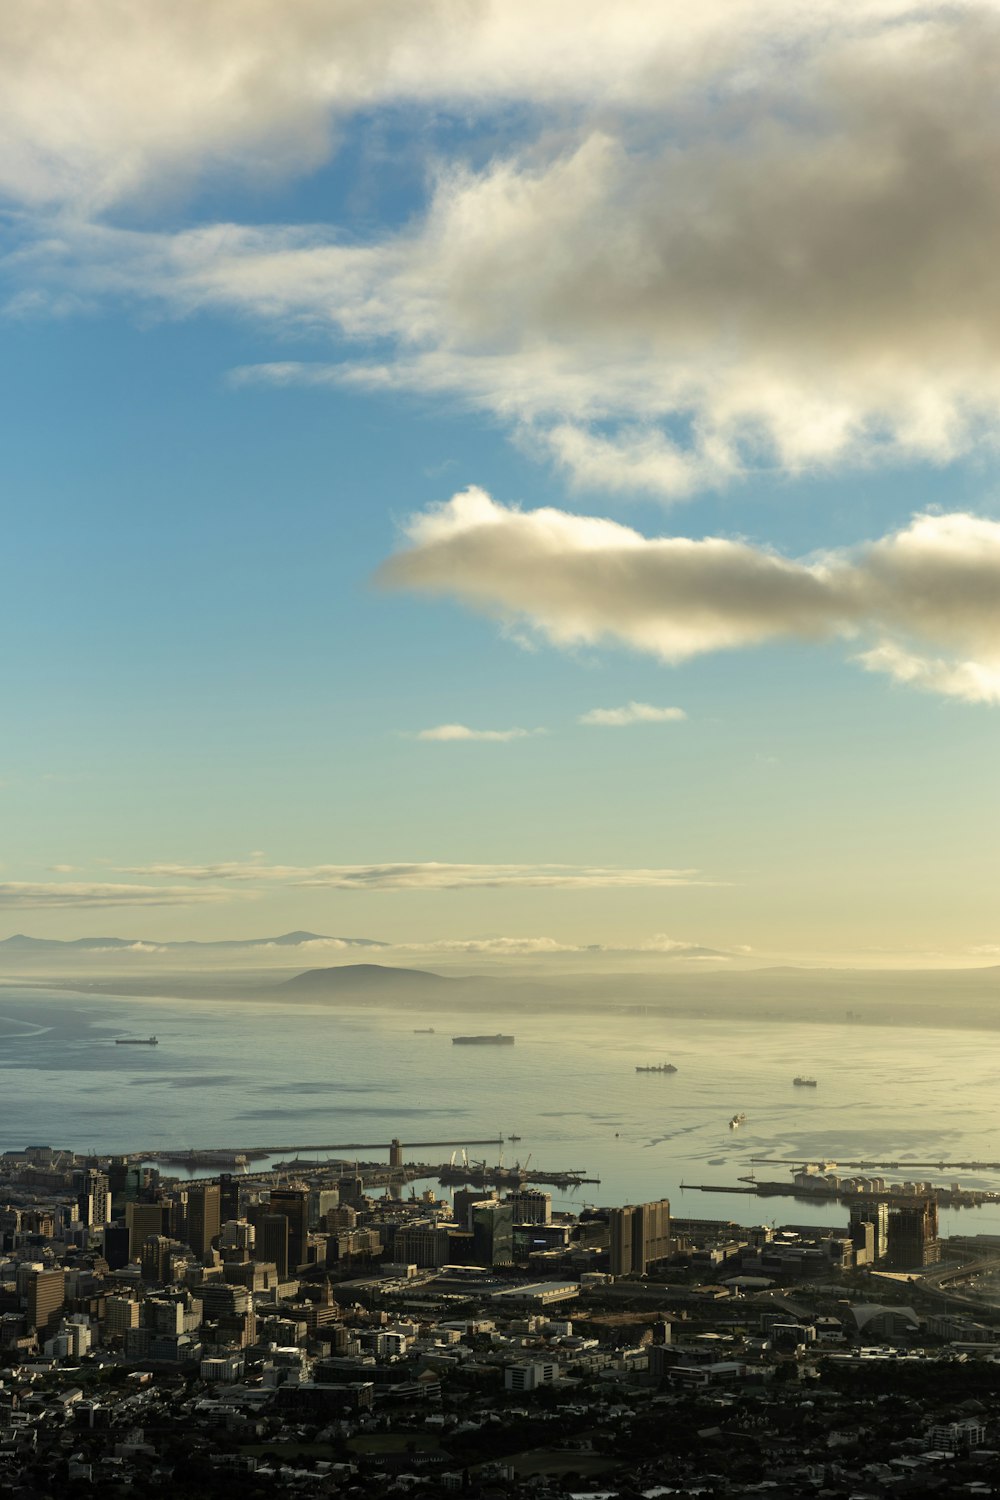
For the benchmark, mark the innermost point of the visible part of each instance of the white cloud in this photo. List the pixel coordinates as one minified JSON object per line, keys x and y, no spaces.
{"x":27,"y":894}
{"x":934,"y":586}
{"x":431,"y":876}
{"x":760,"y":235}
{"x":451,"y":732}
{"x":500,"y":947}
{"x":632,"y":713}
{"x":103,"y":102}
{"x":494,"y":947}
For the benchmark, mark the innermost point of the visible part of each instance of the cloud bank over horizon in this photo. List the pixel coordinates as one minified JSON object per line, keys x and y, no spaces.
{"x":429,"y":876}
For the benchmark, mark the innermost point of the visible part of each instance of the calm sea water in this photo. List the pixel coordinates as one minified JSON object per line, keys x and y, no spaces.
{"x":238,"y":1075}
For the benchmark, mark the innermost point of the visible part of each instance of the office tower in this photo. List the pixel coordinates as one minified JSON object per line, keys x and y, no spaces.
{"x":93,"y":1197}
{"x":229,"y":1196}
{"x":321,"y":1200}
{"x":293,"y":1203}
{"x":272,"y":1242}
{"x":913,"y":1240}
{"x":351,"y":1189}
{"x":116,"y":1238}
{"x":46,"y":1299}
{"x":638,"y":1235}
{"x":142,"y":1219}
{"x":237,"y":1234}
{"x":203,"y":1217}
{"x":157,"y":1251}
{"x":462,"y":1201}
{"x":120,"y":1314}
{"x":531,"y":1206}
{"x":876,"y":1214}
{"x":492,"y":1225}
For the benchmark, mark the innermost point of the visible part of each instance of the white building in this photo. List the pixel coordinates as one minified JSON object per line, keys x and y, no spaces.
{"x":530,"y":1374}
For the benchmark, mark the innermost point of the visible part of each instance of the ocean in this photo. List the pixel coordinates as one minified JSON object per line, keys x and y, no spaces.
{"x":234,"y":1075}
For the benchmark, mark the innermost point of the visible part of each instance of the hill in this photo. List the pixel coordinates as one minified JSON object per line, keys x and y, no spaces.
{"x":376,"y":981}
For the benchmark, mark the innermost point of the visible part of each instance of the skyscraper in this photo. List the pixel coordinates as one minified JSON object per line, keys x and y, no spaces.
{"x":272,"y":1241}
{"x":293,"y":1204}
{"x":204,"y":1219}
{"x":143,"y":1219}
{"x":913,"y":1240}
{"x":93,"y":1197}
{"x":46,"y":1299}
{"x":492,"y":1225}
{"x":639,"y":1234}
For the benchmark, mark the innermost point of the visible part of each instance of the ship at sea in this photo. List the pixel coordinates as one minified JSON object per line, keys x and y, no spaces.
{"x":497,"y":1040}
{"x":136,"y":1041}
{"x":737,"y":1121}
{"x":423,"y":1031}
{"x":657,"y":1068}
{"x":804,"y":1083}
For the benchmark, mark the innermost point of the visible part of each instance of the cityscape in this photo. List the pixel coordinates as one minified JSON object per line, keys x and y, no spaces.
{"x":325,"y":1328}
{"x":499,"y":744}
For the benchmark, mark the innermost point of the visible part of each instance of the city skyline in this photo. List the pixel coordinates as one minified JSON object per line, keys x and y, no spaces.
{"x":513,"y":483}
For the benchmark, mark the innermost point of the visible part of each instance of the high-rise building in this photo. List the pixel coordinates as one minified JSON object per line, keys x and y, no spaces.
{"x":229,"y":1194}
{"x":913,"y":1235}
{"x":120,"y":1314}
{"x":93,"y":1197}
{"x":156,"y":1255}
{"x":463,"y":1199}
{"x":492,"y":1225}
{"x":873,"y":1211}
{"x":46,"y":1299}
{"x":204,"y":1220}
{"x":293,"y":1204}
{"x":272,"y":1241}
{"x":531,"y":1206}
{"x":351,"y":1189}
{"x":142,"y":1219}
{"x":638,"y":1235}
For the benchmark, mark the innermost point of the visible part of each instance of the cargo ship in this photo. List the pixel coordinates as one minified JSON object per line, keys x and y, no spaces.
{"x":497,"y":1040}
{"x":804,"y":1083}
{"x":136,"y":1041}
{"x":657,"y":1068}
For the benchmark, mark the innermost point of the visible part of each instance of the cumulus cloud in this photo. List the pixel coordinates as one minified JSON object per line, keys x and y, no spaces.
{"x":27,"y":894}
{"x":632,"y":713}
{"x":100,"y":102}
{"x":431,"y":876}
{"x":926,"y":598}
{"x":762,"y":235}
{"x":446,"y":732}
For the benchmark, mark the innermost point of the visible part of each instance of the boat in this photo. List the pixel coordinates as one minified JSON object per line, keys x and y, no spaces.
{"x":804,"y":1083}
{"x":737,"y":1121}
{"x":136,"y":1041}
{"x":657,"y":1068}
{"x":513,"y":1137}
{"x":497,"y":1040}
{"x":423,"y":1031}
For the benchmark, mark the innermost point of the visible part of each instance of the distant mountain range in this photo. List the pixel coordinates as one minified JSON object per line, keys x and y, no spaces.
{"x":21,"y":943}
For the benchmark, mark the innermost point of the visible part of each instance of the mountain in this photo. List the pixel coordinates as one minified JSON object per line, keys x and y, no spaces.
{"x":359,"y":980}
{"x":21,"y":943}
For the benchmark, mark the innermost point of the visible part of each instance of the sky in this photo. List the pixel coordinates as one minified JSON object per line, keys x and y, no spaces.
{"x":503,"y":479}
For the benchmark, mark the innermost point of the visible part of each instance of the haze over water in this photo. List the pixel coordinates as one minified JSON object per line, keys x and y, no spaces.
{"x":244,"y":1075}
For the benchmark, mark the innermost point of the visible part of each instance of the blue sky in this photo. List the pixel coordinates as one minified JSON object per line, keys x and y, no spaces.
{"x":315,"y":279}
